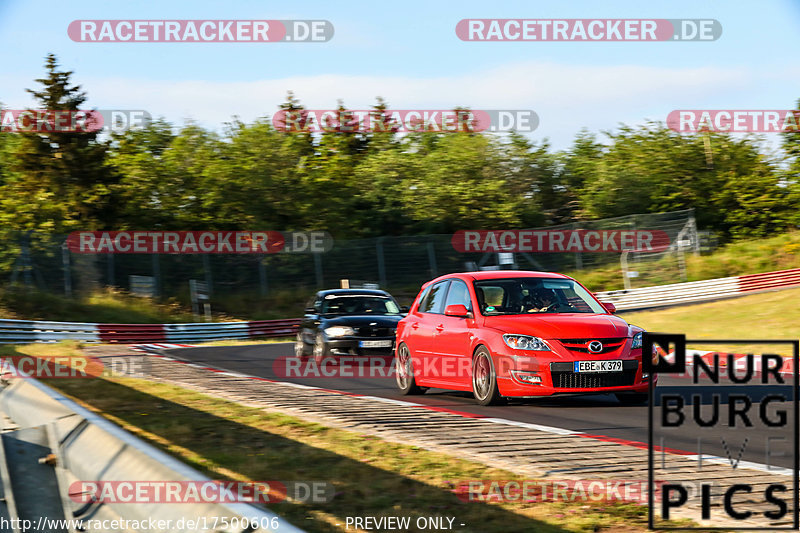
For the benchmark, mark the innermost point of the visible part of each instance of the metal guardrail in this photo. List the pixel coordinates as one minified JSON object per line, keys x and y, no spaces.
{"x":30,"y":331}
{"x":59,"y":442}
{"x":700,"y":291}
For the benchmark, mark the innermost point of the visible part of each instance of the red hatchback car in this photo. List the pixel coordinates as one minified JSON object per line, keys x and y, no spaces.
{"x":517,"y":334}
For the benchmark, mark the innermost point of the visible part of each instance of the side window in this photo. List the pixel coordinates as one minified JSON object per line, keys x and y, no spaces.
{"x":313,"y":302}
{"x":423,"y":299}
{"x":434,"y":300}
{"x":489,"y":296}
{"x":458,"y":294}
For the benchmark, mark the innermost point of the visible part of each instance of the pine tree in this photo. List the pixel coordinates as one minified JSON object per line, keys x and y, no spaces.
{"x":60,"y":180}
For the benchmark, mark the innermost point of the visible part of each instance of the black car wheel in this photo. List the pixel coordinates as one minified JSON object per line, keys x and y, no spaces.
{"x":484,"y":378}
{"x":632,"y":398}
{"x":404,"y":372}
{"x":300,"y":347}
{"x":321,"y":350}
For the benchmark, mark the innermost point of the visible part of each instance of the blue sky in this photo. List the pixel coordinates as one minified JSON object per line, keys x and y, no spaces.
{"x":408,"y":53}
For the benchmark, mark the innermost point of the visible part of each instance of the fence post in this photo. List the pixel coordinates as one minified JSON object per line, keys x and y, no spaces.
{"x":262,"y":275}
{"x":23,"y":262}
{"x":207,"y":271}
{"x":67,"y":273}
{"x":578,"y":256}
{"x":381,"y":264}
{"x":623,"y":260}
{"x":432,"y":259}
{"x":318,"y":269}
{"x":110,"y":270}
{"x":695,"y":235}
{"x":156,"y":275}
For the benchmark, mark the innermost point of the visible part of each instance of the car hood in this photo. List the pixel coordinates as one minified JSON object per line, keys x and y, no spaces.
{"x":566,"y":326}
{"x":383,"y":321}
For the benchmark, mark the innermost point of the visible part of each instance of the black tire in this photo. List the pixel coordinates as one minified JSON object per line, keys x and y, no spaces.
{"x":321,"y":350}
{"x":300,"y":348}
{"x":404,"y":372}
{"x":484,"y":378}
{"x":632,"y":398}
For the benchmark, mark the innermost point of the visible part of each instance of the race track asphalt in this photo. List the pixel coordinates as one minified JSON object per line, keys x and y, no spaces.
{"x":599,"y":414}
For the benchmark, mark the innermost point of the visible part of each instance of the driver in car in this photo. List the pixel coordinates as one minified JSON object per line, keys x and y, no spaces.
{"x":540,"y":300}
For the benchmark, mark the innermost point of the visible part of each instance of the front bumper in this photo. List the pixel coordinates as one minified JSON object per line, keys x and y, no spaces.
{"x":352,"y":346}
{"x":557,"y":377}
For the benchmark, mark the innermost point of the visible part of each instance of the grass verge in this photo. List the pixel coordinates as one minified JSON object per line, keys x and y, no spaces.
{"x":734,"y":259}
{"x":767,"y":315}
{"x":226,"y":440}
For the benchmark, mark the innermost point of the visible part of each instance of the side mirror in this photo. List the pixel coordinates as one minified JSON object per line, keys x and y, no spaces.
{"x":458,"y":310}
{"x":611,"y":308}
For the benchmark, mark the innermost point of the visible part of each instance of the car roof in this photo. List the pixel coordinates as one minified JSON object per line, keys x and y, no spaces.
{"x":499,"y":274}
{"x":373,"y":292}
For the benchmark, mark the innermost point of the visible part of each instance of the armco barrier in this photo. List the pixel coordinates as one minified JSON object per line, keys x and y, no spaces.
{"x":700,"y":291}
{"x":81,"y":445}
{"x":29,"y":331}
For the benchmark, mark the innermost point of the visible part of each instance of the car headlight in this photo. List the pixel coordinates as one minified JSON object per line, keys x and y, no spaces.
{"x":637,"y":341}
{"x":339,"y":331}
{"x":526,"y":342}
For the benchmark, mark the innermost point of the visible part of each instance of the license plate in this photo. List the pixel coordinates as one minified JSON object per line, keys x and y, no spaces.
{"x":375,"y":344}
{"x":598,"y":366}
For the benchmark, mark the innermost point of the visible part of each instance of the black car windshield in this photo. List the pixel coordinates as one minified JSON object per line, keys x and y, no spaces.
{"x":358,"y":304}
{"x":522,"y":296}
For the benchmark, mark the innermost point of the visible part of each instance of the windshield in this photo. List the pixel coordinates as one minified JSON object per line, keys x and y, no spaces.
{"x":359,"y":304}
{"x":518,"y":296}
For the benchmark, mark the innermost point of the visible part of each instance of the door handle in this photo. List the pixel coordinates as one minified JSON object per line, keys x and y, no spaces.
{"x":414,"y":325}
{"x":440,"y":328}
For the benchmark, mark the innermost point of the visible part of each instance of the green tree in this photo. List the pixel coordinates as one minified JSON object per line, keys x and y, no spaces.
{"x":654,"y":169}
{"x":791,"y":147}
{"x":59,"y":180}
{"x":137,"y":156}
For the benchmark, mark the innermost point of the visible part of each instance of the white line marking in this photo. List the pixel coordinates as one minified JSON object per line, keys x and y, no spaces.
{"x":717,"y":460}
{"x":547,"y":429}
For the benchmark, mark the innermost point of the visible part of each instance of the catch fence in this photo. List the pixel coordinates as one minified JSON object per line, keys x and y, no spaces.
{"x":399,"y":263}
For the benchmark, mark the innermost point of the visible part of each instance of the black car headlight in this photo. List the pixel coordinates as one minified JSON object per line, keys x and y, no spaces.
{"x":339,"y":331}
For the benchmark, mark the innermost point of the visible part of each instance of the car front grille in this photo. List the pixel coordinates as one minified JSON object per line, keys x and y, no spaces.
{"x":373,"y":331}
{"x":565,"y":378}
{"x":582,"y":345}
{"x":573,"y":380}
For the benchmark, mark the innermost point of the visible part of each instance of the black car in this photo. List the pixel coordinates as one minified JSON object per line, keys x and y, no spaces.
{"x":349,"y":322}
